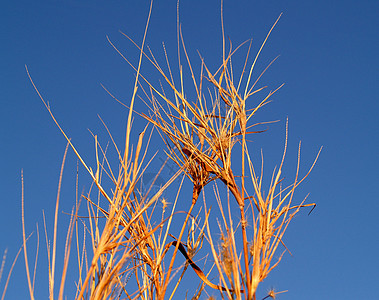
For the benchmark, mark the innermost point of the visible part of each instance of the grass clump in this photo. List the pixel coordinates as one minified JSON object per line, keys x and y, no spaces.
{"x":129,"y":248}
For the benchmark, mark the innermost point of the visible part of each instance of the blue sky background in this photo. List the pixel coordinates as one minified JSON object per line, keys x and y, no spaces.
{"x":328,"y":62}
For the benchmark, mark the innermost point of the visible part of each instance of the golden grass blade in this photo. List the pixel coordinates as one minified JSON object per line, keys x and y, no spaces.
{"x":52,"y":274}
{"x":31,"y":291}
{"x":256,"y":57}
{"x":36,"y":258}
{"x":11,"y":269}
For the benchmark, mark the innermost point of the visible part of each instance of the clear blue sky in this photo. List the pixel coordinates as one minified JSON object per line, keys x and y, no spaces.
{"x":328,"y":62}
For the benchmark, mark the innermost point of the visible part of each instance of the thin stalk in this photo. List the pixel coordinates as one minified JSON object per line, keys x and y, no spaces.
{"x":195,"y":196}
{"x":31,"y":292}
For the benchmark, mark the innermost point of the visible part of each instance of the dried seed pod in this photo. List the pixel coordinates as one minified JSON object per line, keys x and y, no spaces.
{"x":198,"y":159}
{"x":186,"y":152}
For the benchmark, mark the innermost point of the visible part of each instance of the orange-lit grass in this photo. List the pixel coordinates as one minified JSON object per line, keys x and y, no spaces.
{"x":203,"y":140}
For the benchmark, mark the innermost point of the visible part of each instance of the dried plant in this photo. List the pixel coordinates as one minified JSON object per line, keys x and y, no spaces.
{"x":122,"y":243}
{"x":201,"y":135}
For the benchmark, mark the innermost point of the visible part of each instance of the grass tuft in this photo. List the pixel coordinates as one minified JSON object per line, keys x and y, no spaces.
{"x":133,"y":244}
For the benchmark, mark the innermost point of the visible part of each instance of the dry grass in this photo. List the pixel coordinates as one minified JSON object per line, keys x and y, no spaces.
{"x":122,"y":247}
{"x":201,"y":135}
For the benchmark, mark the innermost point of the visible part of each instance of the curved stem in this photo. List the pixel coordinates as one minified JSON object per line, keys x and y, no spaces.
{"x":195,"y":196}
